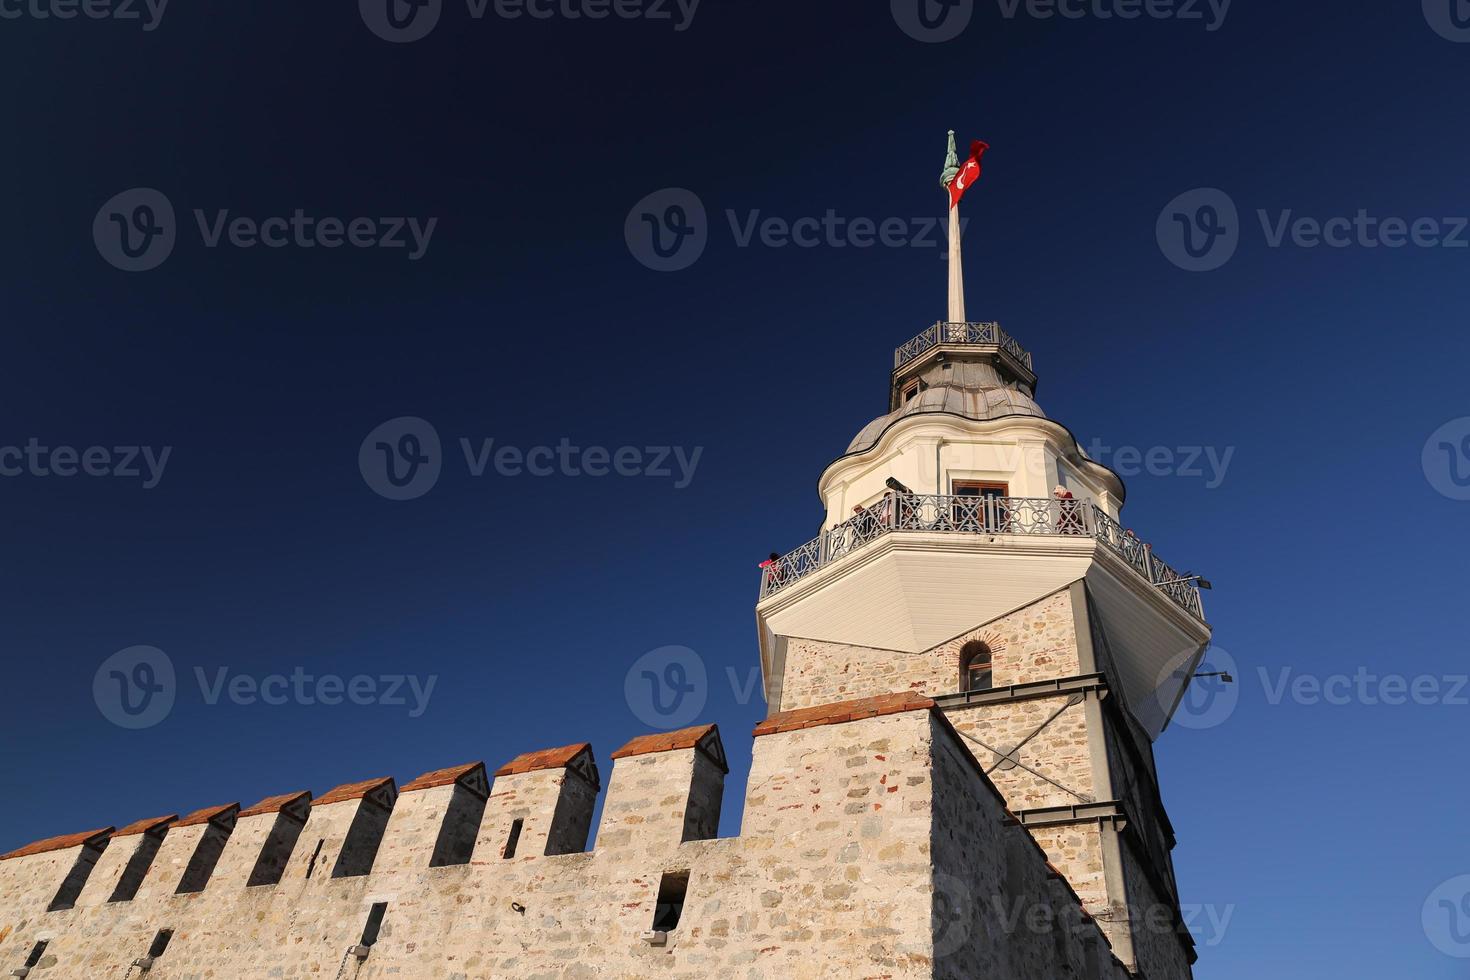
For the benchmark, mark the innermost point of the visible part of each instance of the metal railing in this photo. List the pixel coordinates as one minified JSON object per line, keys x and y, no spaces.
{"x":980,"y":515}
{"x":961,"y":333}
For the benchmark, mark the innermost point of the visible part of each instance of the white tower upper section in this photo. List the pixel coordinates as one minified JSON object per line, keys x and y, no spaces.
{"x":964,"y":503}
{"x":962,"y":417}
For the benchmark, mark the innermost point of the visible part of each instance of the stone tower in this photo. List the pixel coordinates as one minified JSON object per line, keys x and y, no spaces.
{"x":972,"y":553}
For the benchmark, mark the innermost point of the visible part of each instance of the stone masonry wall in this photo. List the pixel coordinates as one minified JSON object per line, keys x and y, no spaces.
{"x":854,"y":825}
{"x":1031,"y":644}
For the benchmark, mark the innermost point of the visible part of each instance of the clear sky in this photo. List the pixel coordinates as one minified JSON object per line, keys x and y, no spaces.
{"x":1289,"y":395}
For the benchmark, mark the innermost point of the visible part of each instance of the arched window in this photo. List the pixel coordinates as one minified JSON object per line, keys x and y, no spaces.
{"x":975,"y":666}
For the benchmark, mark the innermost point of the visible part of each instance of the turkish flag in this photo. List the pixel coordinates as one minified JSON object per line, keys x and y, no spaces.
{"x":969,"y":172}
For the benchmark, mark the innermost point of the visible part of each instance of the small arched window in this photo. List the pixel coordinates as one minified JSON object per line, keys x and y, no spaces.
{"x":975,"y":666}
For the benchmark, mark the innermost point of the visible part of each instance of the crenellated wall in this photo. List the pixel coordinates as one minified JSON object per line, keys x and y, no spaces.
{"x":872,"y":846}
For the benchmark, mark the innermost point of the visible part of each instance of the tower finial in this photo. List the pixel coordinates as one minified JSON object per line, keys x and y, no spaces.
{"x":956,"y":179}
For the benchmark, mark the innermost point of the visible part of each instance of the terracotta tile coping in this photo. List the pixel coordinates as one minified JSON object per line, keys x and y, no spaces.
{"x":59,"y":843}
{"x":843,"y":711}
{"x":442,"y":777}
{"x":354,"y":791}
{"x":544,"y":759}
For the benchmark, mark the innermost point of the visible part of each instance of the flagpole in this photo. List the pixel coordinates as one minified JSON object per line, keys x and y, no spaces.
{"x":956,"y":265}
{"x":956,"y":269}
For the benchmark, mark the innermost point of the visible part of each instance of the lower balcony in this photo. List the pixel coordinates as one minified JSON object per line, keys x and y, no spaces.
{"x":898,"y":513}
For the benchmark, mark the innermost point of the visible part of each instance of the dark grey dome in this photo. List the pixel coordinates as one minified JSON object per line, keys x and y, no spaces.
{"x":971,"y":390}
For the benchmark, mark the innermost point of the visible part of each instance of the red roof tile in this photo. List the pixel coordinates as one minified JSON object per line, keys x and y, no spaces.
{"x":545,"y":759}
{"x":59,"y":843}
{"x":207,"y":814}
{"x":354,"y":791}
{"x":442,"y":777}
{"x":684,"y":738}
{"x":274,"y":804}
{"x":145,"y":826}
{"x":843,"y":711}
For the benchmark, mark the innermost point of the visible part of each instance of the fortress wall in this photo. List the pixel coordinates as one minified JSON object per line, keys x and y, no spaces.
{"x":853,"y":814}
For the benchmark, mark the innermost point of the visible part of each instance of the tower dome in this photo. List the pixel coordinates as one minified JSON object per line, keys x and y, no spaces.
{"x":970,"y":389}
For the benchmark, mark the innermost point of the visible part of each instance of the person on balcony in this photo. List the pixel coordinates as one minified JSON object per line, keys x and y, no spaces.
{"x":771,"y":568}
{"x":1069,"y":514}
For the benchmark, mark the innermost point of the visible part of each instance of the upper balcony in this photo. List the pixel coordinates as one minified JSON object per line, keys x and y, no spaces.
{"x":989,"y":516}
{"x":968,"y":338}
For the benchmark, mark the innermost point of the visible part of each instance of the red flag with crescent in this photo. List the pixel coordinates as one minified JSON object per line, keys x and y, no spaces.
{"x":969,"y":172}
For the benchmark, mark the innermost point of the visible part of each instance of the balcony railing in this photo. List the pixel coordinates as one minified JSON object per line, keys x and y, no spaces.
{"x":980,"y":515}
{"x":961,"y":333}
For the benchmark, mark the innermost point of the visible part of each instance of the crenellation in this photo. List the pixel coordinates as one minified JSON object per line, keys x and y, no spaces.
{"x":541,"y":803}
{"x":436,"y":820}
{"x":664,"y":788}
{"x":343,"y":833}
{"x":122,"y":867}
{"x":189,"y":852}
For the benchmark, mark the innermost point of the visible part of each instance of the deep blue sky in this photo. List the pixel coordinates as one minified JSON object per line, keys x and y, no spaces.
{"x":1322,"y":828}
